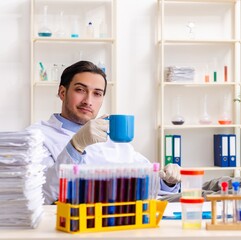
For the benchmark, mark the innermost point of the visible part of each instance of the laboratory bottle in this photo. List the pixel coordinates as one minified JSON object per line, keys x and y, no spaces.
{"x":191,"y":33}
{"x":61,"y":69}
{"x":177,"y":118}
{"x":44,"y":30}
{"x":101,"y":65}
{"x":60,"y":33}
{"x":103,"y":30}
{"x":90,"y":30}
{"x":205,"y":117}
{"x":225,"y":116}
{"x":74,"y":27}
{"x":55,"y":73}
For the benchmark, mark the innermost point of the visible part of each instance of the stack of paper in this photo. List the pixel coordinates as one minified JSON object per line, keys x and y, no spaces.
{"x":179,"y":74}
{"x":21,"y":178}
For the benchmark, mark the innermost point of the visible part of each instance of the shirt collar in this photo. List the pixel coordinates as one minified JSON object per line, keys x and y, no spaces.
{"x":67,"y":124}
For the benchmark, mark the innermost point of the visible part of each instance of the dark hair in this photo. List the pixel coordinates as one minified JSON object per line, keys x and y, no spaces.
{"x":79,"y":67}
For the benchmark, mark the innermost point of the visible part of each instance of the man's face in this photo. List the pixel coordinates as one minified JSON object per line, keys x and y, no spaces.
{"x":84,"y":97}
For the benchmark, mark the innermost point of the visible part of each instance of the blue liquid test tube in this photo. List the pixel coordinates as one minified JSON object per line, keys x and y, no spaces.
{"x":145,"y":191}
{"x":112,"y":195}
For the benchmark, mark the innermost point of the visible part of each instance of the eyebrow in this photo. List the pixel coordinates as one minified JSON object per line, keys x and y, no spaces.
{"x":85,"y":86}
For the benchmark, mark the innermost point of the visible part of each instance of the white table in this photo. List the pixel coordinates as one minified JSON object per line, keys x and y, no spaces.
{"x":168,"y":229}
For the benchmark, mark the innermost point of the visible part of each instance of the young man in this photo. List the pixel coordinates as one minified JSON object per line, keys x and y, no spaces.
{"x":77,"y":136}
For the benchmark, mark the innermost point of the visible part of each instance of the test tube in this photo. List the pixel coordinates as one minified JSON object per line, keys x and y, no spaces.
{"x":145,"y":191}
{"x":89,"y":195}
{"x":215,"y":76}
{"x":104,"y":194}
{"x":235,"y":202}
{"x":155,"y":181}
{"x":225,"y":73}
{"x":62,"y":190}
{"x":206,"y":77}
{"x":112,"y":195}
{"x":75,"y":198}
{"x":224,"y":192}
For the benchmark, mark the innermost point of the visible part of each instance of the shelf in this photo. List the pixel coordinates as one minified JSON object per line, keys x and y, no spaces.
{"x":75,"y":40}
{"x":46,"y":84}
{"x":204,"y":36}
{"x":199,"y":1}
{"x":197,"y":41}
{"x":212,"y":22}
{"x":169,"y":127}
{"x":214,"y":168}
{"x":195,"y":84}
{"x":54,"y":84}
{"x":62,"y":18}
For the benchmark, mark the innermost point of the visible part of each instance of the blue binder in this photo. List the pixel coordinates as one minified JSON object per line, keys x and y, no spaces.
{"x":232,"y":150}
{"x":177,"y":149}
{"x":221,"y":150}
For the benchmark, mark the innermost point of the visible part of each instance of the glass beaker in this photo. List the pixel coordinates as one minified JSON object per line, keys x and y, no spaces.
{"x":177,"y":118}
{"x":60,"y":33}
{"x":205,"y":117}
{"x":75,"y":27}
{"x":225,"y":116}
{"x":44,"y":30}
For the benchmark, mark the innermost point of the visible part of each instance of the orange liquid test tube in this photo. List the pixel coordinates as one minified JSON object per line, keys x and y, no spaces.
{"x":206,"y":78}
{"x":225,"y":73}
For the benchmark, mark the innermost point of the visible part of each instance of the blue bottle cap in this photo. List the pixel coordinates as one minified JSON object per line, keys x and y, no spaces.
{"x":235,"y":186}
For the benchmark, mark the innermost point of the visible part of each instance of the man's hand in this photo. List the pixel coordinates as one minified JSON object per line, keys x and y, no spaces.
{"x":93,"y":131}
{"x":171,"y":174}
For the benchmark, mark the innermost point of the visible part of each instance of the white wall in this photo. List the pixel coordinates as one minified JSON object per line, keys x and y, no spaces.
{"x":14,"y":64}
{"x":136,"y":67}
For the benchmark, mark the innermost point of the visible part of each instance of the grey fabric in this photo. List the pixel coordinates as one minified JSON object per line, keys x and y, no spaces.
{"x":209,"y":187}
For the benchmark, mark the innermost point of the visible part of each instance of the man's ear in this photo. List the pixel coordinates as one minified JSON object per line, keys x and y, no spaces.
{"x":62,"y":92}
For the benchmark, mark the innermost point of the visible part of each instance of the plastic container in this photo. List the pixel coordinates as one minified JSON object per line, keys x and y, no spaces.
{"x":54,"y":73}
{"x":191,"y":213}
{"x":191,"y":183}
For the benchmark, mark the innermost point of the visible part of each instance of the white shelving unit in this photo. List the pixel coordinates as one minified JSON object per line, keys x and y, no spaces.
{"x":65,"y":17}
{"x":204,"y":35}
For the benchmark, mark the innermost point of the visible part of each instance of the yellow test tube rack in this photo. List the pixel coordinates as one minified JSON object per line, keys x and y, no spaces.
{"x":219,"y":225}
{"x":154,"y":214}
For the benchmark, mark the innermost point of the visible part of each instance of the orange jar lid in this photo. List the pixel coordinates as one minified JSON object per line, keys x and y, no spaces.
{"x":192,"y":200}
{"x":191,"y":172}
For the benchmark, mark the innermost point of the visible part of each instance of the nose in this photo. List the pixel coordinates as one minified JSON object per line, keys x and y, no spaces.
{"x":87,"y":99}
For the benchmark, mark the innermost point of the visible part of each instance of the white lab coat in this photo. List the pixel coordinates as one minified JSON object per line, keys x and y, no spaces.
{"x":55,"y":142}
